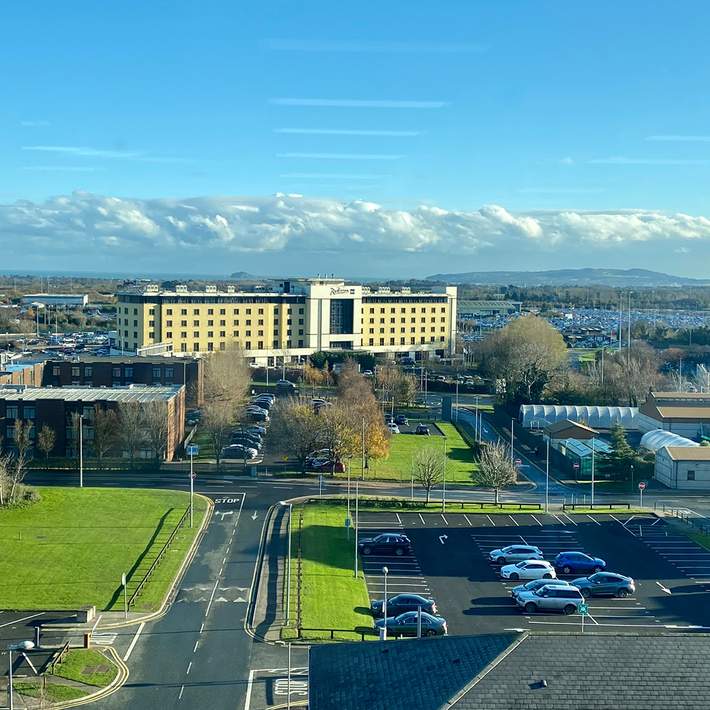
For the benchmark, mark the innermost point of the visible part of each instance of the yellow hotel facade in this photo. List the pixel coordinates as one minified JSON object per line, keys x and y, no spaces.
{"x":304,"y":316}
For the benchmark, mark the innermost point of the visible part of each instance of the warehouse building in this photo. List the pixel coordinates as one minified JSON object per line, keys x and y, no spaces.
{"x":57,"y":409}
{"x":538,"y":416}
{"x":683,"y":467}
{"x":122,"y":371}
{"x":302,"y":317}
{"x":684,"y":413}
{"x":61,"y":300}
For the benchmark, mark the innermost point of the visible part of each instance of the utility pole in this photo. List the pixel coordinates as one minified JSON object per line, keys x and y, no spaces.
{"x":357,"y":516}
{"x":547,"y":475}
{"x":593,"y":447}
{"x":512,"y":450}
{"x":628,"y":336}
{"x":81,"y":451}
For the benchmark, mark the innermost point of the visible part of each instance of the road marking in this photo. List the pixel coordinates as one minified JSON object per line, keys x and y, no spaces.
{"x":665,"y":589}
{"x":536,"y":520}
{"x":655,"y":522}
{"x":134,"y":641}
{"x":202,"y":627}
{"x":629,"y":520}
{"x":189,"y":666}
{"x":24,"y":618}
{"x":209,"y":604}
{"x":467,"y":520}
{"x":224,"y":560}
{"x":517,"y":524}
{"x":594,"y":520}
{"x":559,"y":520}
{"x":182,"y":690}
{"x":442,"y":538}
{"x":523,"y":539}
{"x":194,"y":648}
{"x":446,"y":522}
{"x":490,"y":520}
{"x":420,"y":518}
{"x":568,"y":518}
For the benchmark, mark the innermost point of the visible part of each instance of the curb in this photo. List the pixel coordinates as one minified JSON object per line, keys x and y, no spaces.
{"x":115,"y":685}
{"x":170,"y":593}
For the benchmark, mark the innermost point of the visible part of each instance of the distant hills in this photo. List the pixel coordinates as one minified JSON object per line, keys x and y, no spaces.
{"x":624,"y":278}
{"x":242,"y":276}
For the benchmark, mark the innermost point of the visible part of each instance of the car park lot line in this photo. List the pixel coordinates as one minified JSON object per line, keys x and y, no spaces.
{"x":536,"y":520}
{"x":594,"y":520}
{"x":421,"y":518}
{"x":514,"y":520}
{"x":490,"y":520}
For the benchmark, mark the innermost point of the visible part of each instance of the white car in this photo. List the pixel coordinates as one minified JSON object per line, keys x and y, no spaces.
{"x":393,"y":428}
{"x":528,"y":569}
{"x":515,"y":553}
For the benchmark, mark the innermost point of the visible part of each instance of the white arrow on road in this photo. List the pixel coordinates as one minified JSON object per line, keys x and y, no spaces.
{"x":255,"y":515}
{"x":442,"y":538}
{"x":665,"y":589}
{"x":224,"y":512}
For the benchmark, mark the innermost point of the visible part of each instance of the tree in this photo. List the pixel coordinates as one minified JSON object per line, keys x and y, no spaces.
{"x":339,"y":431}
{"x":429,"y":463}
{"x":620,"y":461}
{"x":297,"y":428}
{"x":495,"y":469}
{"x":46,"y":438}
{"x":527,"y":353}
{"x":155,"y":421}
{"x":106,"y":428}
{"x":217,"y":420}
{"x":227,"y":377}
{"x":131,"y":432}
{"x":22,"y":456}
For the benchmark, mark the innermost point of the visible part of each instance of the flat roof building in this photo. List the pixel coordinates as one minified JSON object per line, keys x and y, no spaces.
{"x":684,"y":413}
{"x":686,"y":467}
{"x":56,"y":299}
{"x":302,"y":317}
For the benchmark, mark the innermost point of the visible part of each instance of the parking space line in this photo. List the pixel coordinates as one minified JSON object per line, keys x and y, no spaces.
{"x":514,"y":520}
{"x":399,"y":520}
{"x":467,"y":520}
{"x":559,"y":520}
{"x":420,"y":518}
{"x":446,"y":522}
{"x":523,"y":539}
{"x":536,"y":520}
{"x":594,"y":520}
{"x":568,"y":518}
{"x":629,"y":520}
{"x":658,"y":520}
{"x":490,"y":520}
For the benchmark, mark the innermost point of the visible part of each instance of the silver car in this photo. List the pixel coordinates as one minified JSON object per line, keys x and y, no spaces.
{"x":551,"y":598}
{"x":535,"y":584}
{"x":515,"y":553}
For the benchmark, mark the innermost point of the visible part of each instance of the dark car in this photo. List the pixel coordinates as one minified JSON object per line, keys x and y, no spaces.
{"x":256,"y":429}
{"x":605,"y":584}
{"x":406,"y":624}
{"x":401,"y":419}
{"x":246,"y":441}
{"x":237,"y":451}
{"x":422,"y":429}
{"x":402,"y":603}
{"x":258,"y":415}
{"x":576,"y":562}
{"x":389,"y":419}
{"x":262,"y":402}
{"x":385,"y":544}
{"x":326,"y":466}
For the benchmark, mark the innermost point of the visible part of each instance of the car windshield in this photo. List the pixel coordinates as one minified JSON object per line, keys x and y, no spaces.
{"x":521,"y":564}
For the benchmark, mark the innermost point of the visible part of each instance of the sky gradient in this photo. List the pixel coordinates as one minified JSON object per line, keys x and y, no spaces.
{"x":469,"y":136}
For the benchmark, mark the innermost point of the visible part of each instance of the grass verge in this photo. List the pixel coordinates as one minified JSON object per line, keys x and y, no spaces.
{"x":619,"y":509}
{"x":400,"y":505}
{"x":86,"y":665}
{"x":70,"y":548}
{"x":53,"y":692}
{"x":330,"y":596}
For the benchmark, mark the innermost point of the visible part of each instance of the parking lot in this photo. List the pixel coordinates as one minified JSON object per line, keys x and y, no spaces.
{"x":450,"y":563}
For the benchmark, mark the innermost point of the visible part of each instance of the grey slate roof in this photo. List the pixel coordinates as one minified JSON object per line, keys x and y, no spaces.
{"x":130,"y":393}
{"x":598,"y":671}
{"x":398,"y":675}
{"x":590,"y":671}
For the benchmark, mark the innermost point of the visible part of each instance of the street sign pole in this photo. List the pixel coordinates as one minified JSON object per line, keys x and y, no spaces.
{"x":583,"y":610}
{"x":125,"y":595}
{"x":642,"y":486}
{"x":192,"y":450}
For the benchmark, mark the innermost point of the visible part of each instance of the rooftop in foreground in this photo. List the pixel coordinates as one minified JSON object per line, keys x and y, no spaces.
{"x":131,"y":393}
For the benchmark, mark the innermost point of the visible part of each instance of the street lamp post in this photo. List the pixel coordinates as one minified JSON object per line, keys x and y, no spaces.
{"x":385,"y":571}
{"x":22,"y":647}
{"x":593,"y":447}
{"x":81,"y":451}
{"x":443,"y":490}
{"x":357,"y":516}
{"x":512,"y":441}
{"x":192,"y":484}
{"x":547,"y":475}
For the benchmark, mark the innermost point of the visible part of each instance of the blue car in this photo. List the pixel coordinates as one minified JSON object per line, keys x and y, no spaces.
{"x":577,"y":562}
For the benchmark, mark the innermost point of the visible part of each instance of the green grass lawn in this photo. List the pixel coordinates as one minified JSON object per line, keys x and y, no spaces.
{"x":86,"y":665}
{"x":405,"y":505}
{"x":53,"y":692}
{"x":460,"y":467}
{"x":70,"y":548}
{"x":204,"y":441}
{"x":331,"y":597}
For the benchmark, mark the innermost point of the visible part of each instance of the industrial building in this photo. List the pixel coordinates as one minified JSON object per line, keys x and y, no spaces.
{"x":302,"y":317}
{"x":538,"y":416}
{"x":57,"y":408}
{"x":60,"y":300}
{"x":472,"y":310}
{"x":684,"y":413}
{"x":683,"y":467}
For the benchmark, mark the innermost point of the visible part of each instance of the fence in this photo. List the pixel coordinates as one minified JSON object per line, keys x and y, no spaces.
{"x":362,"y":633}
{"x":58,"y":658}
{"x":299,"y":574}
{"x":154,"y":565}
{"x":685,"y":516}
{"x":609,"y":506}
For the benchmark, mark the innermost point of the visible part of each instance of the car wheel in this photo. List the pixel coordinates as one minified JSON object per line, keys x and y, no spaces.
{"x":399,"y":552}
{"x":500,"y":561}
{"x":586,"y":593}
{"x":566,"y":570}
{"x":514,"y":576}
{"x":597,"y":569}
{"x":569,"y":609}
{"x":530,"y":608}
{"x":547,"y":576}
{"x":366,"y":550}
{"x":621,"y":593}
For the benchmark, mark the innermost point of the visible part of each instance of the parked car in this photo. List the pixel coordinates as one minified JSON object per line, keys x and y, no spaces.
{"x":320,"y":454}
{"x":263,"y":403}
{"x":326,"y":466}
{"x":260,"y":416}
{"x":406,"y":624}
{"x":578,"y":562}
{"x":256,"y":429}
{"x":389,"y":419}
{"x":401,"y":420}
{"x":605,"y":584}
{"x":528,"y":569}
{"x":402,"y":603}
{"x":535,"y":584}
{"x":368,"y":373}
{"x":551,"y":598}
{"x":245,"y":441}
{"x":393,"y":428}
{"x":385,"y":544}
{"x":515,"y":553}
{"x":237,"y":451}
{"x":422,"y":429}
{"x":266,"y":395}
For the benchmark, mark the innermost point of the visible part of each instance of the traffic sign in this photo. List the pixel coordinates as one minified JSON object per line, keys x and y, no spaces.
{"x":193,"y":449}
{"x":583,"y":609}
{"x":347,"y":522}
{"x":194,"y":475}
{"x":123,"y":579}
{"x":642,"y":485}
{"x":518,"y":462}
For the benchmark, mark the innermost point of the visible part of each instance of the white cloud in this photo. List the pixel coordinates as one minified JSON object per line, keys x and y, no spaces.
{"x":84,"y":225}
{"x":87,"y":152}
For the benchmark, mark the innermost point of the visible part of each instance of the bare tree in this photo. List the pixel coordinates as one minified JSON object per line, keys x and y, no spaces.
{"x":217,"y":420}
{"x":21,"y":457}
{"x":340,"y":431}
{"x":429,"y":463}
{"x":495,"y":469}
{"x":46,"y":438}
{"x":155,"y":421}
{"x":106,"y":433}
{"x":227,"y":377}
{"x":131,"y":432}
{"x":297,"y":429}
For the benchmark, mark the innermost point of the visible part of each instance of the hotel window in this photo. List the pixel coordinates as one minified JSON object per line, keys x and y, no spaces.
{"x":151,"y":324}
{"x":75,"y":372}
{"x":135,"y":323}
{"x":300,"y":331}
{"x":261,"y":311}
{"x":183,"y":335}
{"x":391,"y":341}
{"x":236,"y":311}
{"x":210,"y":311}
{"x":196,"y":311}
{"x":691,"y":475}
{"x":261,"y":321}
{"x":169,"y":334}
{"x":183,"y":347}
{"x":248,"y":334}
{"x":151,"y":311}
{"x":28,"y":412}
{"x":222,"y":346}
{"x":169,"y":373}
{"x":276,"y":343}
{"x":88,"y":371}
{"x":236,"y":322}
{"x":196,"y":323}
{"x":169,"y":311}
{"x":401,"y":341}
{"x":261,"y":333}
{"x":210,"y":347}
{"x":183,"y":311}
{"x":135,"y":311}
{"x":168,"y":323}
{"x":210,"y":323}
{"x":156,"y":373}
{"x":223,"y":323}
{"x":248,"y":321}
{"x":247,"y":345}
{"x":300,"y":311}
{"x":151,"y":335}
{"x":300,"y":343}
{"x":222,"y":334}
{"x":382,"y":341}
{"x":248,"y":311}
{"x":235,"y":334}
{"x":261,"y":345}
{"x":195,"y":347}
{"x":135,"y":335}
{"x":196,"y":334}
{"x":55,"y":371}
{"x":371,"y":341}
{"x":300,"y":321}
{"x":116,"y":371}
{"x":210,"y":334}
{"x":183,"y":323}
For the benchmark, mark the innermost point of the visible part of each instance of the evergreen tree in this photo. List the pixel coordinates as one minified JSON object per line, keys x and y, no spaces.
{"x":617,"y":464}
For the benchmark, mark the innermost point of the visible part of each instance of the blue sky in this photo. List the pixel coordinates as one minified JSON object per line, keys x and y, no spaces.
{"x":528,"y":105}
